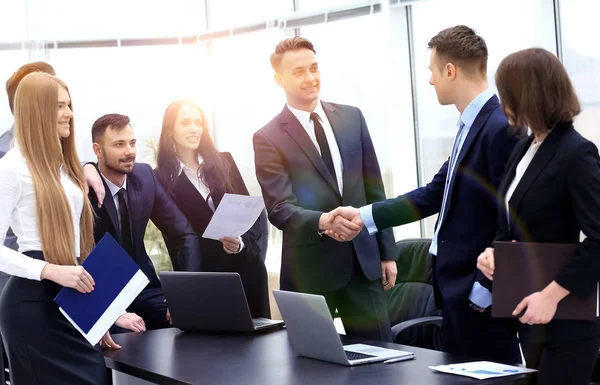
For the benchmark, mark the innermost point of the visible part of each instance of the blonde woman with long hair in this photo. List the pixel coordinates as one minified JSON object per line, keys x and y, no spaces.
{"x":44,"y":200}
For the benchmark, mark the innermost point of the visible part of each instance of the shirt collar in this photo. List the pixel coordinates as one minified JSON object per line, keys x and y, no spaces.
{"x":304,"y":116}
{"x":114,"y":189}
{"x":183,"y":167}
{"x":474,"y":108}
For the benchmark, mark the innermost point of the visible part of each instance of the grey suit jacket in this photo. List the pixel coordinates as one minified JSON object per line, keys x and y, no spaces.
{"x":5,"y":142}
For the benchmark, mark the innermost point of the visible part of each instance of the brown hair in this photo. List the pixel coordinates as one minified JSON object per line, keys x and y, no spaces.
{"x":463,"y":47}
{"x":114,"y":121}
{"x":36,"y":110}
{"x":290,"y":44}
{"x":13,"y":82}
{"x":535,"y":90}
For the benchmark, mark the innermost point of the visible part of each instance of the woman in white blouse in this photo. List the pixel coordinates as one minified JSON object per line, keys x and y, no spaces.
{"x":551,"y":193}
{"x":196,"y":176}
{"x":44,"y":200}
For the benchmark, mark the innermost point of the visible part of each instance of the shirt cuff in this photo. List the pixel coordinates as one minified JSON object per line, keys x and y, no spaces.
{"x":480,"y":296}
{"x":241,"y":247}
{"x":366,"y":214}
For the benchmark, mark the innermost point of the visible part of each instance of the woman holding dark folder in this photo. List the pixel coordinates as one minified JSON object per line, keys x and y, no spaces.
{"x":44,"y":200}
{"x":550,"y":193}
{"x":197,"y":176}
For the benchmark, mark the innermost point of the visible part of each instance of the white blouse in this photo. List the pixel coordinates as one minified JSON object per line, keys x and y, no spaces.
{"x":18,"y":210}
{"x":520,"y":171}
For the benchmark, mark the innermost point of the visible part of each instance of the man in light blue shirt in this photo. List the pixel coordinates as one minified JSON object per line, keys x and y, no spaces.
{"x":463,"y":193}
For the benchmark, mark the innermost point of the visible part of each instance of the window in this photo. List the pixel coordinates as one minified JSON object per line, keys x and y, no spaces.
{"x":581,"y":57}
{"x":234,"y":13}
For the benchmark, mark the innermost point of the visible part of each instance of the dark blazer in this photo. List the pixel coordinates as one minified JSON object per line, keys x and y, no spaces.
{"x":471,"y":209}
{"x":148,"y":201}
{"x":249,"y":263}
{"x":297,"y":189}
{"x":556,"y":199}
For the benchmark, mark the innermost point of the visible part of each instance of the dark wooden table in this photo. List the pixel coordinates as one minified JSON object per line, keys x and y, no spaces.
{"x":170,"y":356}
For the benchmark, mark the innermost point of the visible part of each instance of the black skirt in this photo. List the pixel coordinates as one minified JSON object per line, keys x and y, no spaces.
{"x":42,"y":346}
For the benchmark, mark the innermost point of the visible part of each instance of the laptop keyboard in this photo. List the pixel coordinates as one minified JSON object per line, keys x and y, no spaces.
{"x":356,"y":356}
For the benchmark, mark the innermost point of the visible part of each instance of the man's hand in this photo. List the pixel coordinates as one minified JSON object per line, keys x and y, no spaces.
{"x":388,"y":274}
{"x":108,"y":343}
{"x":168,"y":314}
{"x":345,"y":229}
{"x":131,"y":321}
{"x":344,"y":215}
{"x":93,"y":180}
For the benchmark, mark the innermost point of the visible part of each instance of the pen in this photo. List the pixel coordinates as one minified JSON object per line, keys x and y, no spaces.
{"x":393,"y":360}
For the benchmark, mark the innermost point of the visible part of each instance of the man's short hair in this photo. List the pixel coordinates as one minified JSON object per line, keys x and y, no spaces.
{"x":13,"y":82}
{"x":112,"y":121}
{"x":290,"y":44}
{"x":461,"y":46}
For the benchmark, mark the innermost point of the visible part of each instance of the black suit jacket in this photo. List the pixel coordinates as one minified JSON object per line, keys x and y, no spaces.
{"x":471,"y":209}
{"x":199,"y":214}
{"x":148,"y":201}
{"x":557,"y":197}
{"x":297,"y":189}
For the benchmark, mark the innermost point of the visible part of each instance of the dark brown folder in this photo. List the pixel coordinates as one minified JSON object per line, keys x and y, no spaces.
{"x":524,"y":268}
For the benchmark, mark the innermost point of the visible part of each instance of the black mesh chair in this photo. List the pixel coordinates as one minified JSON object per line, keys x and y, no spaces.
{"x":414,"y":317}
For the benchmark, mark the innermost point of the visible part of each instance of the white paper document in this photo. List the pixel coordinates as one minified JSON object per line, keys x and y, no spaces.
{"x":482,"y":369}
{"x":234,"y":216}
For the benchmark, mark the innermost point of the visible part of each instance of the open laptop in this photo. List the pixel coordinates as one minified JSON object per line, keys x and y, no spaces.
{"x":312,"y":332}
{"x":210,"y":302}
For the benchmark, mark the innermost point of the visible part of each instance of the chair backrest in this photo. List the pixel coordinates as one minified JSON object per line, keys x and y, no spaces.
{"x":412,"y":296}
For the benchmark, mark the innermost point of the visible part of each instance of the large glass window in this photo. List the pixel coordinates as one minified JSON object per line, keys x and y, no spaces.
{"x":137,"y":81}
{"x":13,"y":21}
{"x":581,"y":56}
{"x":506,"y":26}
{"x":235,"y":13}
{"x":84,"y":20}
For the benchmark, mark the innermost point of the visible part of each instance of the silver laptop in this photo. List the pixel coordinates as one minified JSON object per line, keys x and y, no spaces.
{"x":210,"y":302}
{"x":312,"y":332}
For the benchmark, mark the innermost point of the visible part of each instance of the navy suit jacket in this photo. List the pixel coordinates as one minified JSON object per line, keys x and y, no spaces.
{"x":469,"y":224}
{"x":298,"y":188}
{"x":148,"y":201}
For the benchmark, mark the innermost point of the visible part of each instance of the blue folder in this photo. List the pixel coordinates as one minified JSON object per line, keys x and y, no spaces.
{"x":112,"y":269}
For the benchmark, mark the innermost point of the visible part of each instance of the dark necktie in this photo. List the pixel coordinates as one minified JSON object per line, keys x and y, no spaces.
{"x":323,"y":145}
{"x":126,"y":239}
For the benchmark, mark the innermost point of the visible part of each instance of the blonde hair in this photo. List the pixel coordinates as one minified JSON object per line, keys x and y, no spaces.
{"x":36,"y":111}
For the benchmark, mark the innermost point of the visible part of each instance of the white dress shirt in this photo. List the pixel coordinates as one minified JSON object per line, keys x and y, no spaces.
{"x":520,"y":171}
{"x":304,"y":119}
{"x":18,"y":210}
{"x":196,"y":180}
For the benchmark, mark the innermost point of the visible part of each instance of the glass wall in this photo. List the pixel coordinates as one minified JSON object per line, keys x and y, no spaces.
{"x":506,"y":26}
{"x":581,"y":56}
{"x":365,"y":61}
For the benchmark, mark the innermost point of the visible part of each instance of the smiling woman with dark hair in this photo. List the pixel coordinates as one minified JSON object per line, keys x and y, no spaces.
{"x":196,"y":175}
{"x":551,"y":193}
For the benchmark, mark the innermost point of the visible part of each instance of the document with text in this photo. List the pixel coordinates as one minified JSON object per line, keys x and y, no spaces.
{"x":482,"y":369}
{"x":234,"y":216}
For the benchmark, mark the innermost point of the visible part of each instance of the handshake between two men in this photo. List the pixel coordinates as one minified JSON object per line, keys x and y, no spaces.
{"x":344,"y":224}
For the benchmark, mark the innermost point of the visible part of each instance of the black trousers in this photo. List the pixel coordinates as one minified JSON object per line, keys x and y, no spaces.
{"x":42,"y":346}
{"x":467,"y":332}
{"x":362,"y":307}
{"x":562,"y":362}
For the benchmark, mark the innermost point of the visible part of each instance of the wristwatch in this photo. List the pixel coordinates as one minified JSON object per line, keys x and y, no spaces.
{"x":476,"y":307}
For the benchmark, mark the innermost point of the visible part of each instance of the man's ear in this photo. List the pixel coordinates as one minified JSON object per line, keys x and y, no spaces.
{"x":450,"y":70}
{"x":278,"y":79}
{"x":97,"y":150}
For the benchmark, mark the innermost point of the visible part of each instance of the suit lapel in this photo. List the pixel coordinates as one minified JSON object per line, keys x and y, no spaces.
{"x":338,"y":125}
{"x":109,"y":206}
{"x":509,"y":176}
{"x":133,"y":198}
{"x":544,"y":154}
{"x":474,"y":131}
{"x":293,"y":127}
